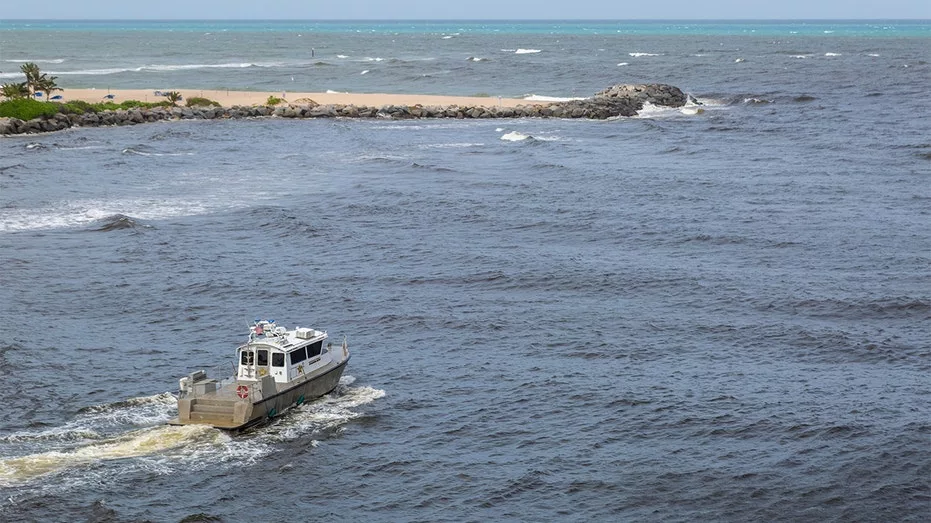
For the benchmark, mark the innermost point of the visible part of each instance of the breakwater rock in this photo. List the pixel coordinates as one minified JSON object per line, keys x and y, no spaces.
{"x":619,"y":100}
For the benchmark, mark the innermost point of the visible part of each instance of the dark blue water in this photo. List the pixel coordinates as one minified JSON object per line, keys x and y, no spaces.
{"x":719,"y":316}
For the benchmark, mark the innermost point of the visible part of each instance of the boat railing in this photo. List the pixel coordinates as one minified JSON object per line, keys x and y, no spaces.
{"x":218,"y":375}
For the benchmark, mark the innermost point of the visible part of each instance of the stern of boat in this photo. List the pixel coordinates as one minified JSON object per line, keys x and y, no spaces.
{"x":227,"y":404}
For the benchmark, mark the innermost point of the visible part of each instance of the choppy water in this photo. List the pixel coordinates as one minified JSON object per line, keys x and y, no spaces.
{"x":719,"y":316}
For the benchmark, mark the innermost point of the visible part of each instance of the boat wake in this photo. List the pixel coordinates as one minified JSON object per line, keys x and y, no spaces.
{"x":135,"y":444}
{"x":325,"y":415}
{"x":117,"y":438}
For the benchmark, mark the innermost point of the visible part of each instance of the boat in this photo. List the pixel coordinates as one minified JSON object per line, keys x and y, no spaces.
{"x":275,"y":370}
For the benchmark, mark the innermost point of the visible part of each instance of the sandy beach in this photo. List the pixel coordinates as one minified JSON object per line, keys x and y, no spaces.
{"x":249,"y":98}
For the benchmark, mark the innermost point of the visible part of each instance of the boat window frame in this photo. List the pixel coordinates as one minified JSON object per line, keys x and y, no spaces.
{"x":277,"y":359}
{"x":292,"y":355}
{"x":315,"y":349}
{"x":247,"y":357}
{"x":261,"y":354}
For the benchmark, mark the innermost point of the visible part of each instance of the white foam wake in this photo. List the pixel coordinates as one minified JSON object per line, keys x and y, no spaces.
{"x":165,"y":449}
{"x":134,"y":444}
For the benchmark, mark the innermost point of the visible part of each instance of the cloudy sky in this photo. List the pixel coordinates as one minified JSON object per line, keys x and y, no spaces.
{"x":471,"y":9}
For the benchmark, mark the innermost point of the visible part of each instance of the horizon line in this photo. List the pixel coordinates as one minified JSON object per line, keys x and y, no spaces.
{"x":483,"y":20}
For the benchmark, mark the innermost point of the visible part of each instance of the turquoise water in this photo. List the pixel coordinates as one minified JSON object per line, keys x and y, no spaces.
{"x":884,"y":28}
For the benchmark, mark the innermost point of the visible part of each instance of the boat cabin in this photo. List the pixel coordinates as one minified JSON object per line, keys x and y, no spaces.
{"x":284,"y":355}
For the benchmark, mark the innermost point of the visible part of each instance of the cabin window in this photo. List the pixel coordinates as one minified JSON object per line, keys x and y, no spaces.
{"x":247,"y":357}
{"x":262,"y":357}
{"x":314,"y":349}
{"x":278,"y":359}
{"x":297,"y":356}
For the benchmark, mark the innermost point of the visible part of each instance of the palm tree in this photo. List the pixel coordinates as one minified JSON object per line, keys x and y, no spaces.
{"x":11,"y":91}
{"x":47,"y":84}
{"x":173,"y":97}
{"x":33,"y":75}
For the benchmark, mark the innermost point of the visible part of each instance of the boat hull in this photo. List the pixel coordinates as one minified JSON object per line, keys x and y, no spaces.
{"x":265,"y":410}
{"x":223,"y":410}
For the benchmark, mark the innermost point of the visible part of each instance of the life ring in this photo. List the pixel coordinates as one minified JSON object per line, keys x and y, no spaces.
{"x":242,"y":391}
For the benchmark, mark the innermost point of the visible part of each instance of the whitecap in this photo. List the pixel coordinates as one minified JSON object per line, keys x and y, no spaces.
{"x":527,"y":51}
{"x":622,"y":64}
{"x":638,"y":55}
{"x":78,"y":213}
{"x":130,"y":150}
{"x":341,"y":56}
{"x":831,"y":54}
{"x":874,"y":55}
{"x":37,"y":61}
{"x":187,"y":67}
{"x":63,"y":148}
{"x":691,"y":110}
{"x":515,"y":136}
{"x":656,"y":111}
{"x":739,"y":60}
{"x":462,"y":145}
{"x":364,"y":72}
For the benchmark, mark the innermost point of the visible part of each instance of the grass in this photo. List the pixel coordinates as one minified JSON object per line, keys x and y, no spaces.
{"x":27,"y":109}
{"x":197,"y":101}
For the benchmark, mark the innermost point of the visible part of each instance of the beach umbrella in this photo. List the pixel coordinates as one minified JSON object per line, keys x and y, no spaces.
{"x":110,"y":96}
{"x":56,"y":97}
{"x":38,"y":94}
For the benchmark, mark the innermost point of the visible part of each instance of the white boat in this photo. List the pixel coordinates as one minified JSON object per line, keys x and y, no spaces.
{"x":275,"y":370}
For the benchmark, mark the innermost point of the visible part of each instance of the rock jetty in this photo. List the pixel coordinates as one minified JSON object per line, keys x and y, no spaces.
{"x":619,"y":100}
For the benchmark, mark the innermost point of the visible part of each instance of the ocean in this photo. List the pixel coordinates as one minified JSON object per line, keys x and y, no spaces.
{"x":715,"y":315}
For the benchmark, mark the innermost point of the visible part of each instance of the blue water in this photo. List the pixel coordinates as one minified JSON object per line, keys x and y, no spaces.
{"x":719,"y":316}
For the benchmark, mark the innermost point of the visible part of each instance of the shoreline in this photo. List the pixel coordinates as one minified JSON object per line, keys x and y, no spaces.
{"x":229,"y":98}
{"x":618,"y":100}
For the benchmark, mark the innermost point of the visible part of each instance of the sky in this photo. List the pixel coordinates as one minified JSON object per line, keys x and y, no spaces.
{"x":465,"y":10}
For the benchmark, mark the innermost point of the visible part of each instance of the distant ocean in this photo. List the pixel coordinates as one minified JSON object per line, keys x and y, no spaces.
{"x":702,"y":315}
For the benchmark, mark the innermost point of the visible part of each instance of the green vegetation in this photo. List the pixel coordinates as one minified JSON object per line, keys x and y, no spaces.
{"x":12,"y":91}
{"x":273,"y":100}
{"x":81,"y":107}
{"x":196,"y":101}
{"x":26,"y":109}
{"x":78,"y":107}
{"x":173,"y":97}
{"x":135,"y":104}
{"x":36,"y":82}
